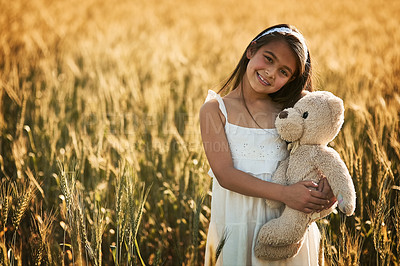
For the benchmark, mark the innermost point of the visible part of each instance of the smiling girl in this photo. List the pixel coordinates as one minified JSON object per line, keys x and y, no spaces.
{"x":243,"y":148}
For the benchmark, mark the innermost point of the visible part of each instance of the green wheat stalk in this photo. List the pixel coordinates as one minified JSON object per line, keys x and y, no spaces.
{"x":221,"y":244}
{"x":135,"y":214}
{"x":196,"y":222}
{"x":97,"y":233}
{"x":120,"y":187}
{"x":83,"y":233}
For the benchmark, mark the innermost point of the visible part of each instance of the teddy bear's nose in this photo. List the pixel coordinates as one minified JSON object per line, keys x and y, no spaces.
{"x":283,"y":114}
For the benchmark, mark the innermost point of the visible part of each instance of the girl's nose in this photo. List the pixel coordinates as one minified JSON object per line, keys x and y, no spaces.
{"x":270,"y":73}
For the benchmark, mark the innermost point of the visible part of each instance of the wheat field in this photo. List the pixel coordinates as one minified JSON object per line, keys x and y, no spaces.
{"x":101,"y":161}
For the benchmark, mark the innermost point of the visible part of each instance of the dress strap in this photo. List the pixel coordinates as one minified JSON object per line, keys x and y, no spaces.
{"x":213,"y":95}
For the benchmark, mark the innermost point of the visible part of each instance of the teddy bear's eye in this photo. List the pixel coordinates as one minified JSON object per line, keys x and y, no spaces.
{"x":305,"y":115}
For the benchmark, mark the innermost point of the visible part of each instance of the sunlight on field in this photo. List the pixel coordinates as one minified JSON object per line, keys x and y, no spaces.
{"x":99,"y":102}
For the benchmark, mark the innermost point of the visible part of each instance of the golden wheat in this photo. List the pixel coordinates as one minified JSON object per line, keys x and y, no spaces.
{"x":44,"y":228}
{"x":37,"y":250}
{"x":3,"y":254}
{"x":23,"y":197}
{"x":396,"y":219}
{"x":111,"y":86}
{"x":97,"y":234}
{"x":5,"y":194}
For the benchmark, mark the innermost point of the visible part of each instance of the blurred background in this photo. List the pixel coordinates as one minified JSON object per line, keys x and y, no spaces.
{"x":101,"y":161}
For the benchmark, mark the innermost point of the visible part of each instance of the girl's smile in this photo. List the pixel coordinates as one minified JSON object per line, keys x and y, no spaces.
{"x":263,"y":80}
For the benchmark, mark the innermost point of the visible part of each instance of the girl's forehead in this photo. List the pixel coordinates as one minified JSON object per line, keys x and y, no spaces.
{"x":277,"y":44}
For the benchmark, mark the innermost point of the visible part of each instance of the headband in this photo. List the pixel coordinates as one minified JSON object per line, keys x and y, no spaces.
{"x":290,"y":31}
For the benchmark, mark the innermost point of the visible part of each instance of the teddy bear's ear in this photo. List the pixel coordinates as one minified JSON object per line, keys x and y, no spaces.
{"x":304,"y":93}
{"x":337,"y":108}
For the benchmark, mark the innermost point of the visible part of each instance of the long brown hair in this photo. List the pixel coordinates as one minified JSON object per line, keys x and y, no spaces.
{"x":291,"y":92}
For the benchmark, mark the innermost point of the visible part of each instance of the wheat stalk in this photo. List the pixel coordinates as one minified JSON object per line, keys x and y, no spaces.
{"x":379,"y":222}
{"x":66,"y":187}
{"x":221,"y":244}
{"x":82,"y":226}
{"x":134,"y":213}
{"x":97,"y":233}
{"x":45,"y":228}
{"x":196,"y":222}
{"x":3,"y":255}
{"x":120,"y":187}
{"x":327,"y":248}
{"x":5,"y":194}
{"x":322,"y":244}
{"x":23,"y":198}
{"x":396,"y":222}
{"x":37,"y":249}
{"x":75,"y":213}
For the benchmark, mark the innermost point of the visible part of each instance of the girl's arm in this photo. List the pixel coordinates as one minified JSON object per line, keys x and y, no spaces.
{"x":301,"y":196}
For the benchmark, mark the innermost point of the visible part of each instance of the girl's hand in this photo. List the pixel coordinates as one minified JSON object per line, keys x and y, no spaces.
{"x":304,"y":196}
{"x":325,"y":188}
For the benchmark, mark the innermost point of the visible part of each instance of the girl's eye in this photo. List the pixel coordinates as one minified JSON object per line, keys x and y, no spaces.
{"x":268,"y":58}
{"x":305,"y":115}
{"x":284,"y":73}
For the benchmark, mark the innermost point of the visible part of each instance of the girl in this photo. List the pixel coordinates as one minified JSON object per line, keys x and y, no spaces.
{"x":243,"y":148}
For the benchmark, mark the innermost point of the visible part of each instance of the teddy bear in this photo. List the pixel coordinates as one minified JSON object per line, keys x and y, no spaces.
{"x":309,"y":126}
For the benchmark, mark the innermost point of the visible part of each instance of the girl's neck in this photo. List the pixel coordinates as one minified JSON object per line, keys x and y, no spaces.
{"x":251,"y":109}
{"x":253,"y":98}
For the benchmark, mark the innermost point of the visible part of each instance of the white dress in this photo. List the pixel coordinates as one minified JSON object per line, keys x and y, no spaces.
{"x":255,"y":151}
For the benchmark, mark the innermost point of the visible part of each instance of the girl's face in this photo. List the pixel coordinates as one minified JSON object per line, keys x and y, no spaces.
{"x":270,"y":67}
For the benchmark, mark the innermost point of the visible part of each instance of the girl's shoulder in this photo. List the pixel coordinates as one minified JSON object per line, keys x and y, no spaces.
{"x":214,"y":103}
{"x":210,"y":105}
{"x":211,"y":110}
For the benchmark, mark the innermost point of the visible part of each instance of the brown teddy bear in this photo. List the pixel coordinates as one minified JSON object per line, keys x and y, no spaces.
{"x":310,"y":125}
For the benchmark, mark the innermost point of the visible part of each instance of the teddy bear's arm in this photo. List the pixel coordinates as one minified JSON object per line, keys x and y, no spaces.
{"x":279,"y":177}
{"x":328,"y":161}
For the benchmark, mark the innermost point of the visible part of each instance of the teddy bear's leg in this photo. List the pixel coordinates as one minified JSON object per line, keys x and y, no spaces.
{"x":266,"y":252}
{"x":287,"y":229}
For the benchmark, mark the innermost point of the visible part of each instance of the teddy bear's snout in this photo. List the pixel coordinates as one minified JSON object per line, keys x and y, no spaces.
{"x":283,"y":114}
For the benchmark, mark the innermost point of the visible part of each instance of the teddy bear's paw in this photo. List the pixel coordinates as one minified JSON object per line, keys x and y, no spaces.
{"x":345,"y":206}
{"x":267,"y":252}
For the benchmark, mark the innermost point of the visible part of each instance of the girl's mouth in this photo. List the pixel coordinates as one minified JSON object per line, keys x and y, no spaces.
{"x":262,"y":80}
